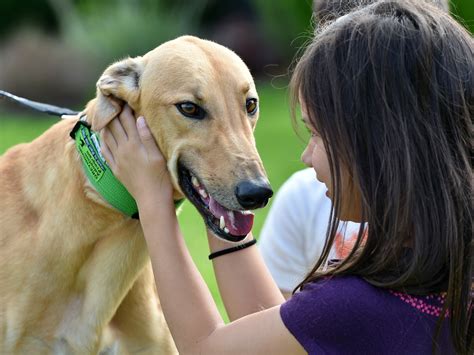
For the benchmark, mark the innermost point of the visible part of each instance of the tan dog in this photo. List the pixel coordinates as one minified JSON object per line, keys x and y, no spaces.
{"x":74,"y":272}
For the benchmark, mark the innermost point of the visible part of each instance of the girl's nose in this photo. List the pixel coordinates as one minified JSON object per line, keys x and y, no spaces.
{"x":306,"y":155}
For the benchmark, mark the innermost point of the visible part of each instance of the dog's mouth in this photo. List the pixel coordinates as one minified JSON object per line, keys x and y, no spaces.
{"x":230,"y":225}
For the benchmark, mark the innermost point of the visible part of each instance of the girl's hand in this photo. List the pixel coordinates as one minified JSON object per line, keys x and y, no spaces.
{"x":131,"y":152}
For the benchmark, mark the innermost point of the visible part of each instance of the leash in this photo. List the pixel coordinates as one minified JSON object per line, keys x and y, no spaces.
{"x":88,"y":146}
{"x":38,"y":106}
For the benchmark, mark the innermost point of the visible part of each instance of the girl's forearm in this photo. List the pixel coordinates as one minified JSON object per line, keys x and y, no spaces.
{"x":245,"y":284}
{"x":187,"y":304}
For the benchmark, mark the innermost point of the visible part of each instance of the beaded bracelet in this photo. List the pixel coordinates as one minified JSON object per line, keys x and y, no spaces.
{"x":231,"y":250}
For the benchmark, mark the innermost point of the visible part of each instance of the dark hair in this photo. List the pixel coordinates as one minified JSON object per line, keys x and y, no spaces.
{"x":329,"y":10}
{"x":390,"y":89}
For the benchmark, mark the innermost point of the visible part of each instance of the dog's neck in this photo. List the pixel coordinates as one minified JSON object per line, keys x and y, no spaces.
{"x":99,"y":174}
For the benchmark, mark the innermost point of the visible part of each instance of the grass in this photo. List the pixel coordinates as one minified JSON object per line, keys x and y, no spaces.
{"x":277,"y":144}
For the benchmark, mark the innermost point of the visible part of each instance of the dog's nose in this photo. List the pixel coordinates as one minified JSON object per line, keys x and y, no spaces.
{"x":251,"y":194}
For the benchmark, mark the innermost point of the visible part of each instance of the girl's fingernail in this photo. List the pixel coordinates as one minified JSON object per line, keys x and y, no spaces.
{"x":141,"y":122}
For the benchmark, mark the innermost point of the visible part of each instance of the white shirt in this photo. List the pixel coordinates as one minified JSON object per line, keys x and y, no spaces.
{"x":294,"y":232}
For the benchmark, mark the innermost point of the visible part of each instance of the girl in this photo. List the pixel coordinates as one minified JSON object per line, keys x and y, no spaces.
{"x":387,"y":92}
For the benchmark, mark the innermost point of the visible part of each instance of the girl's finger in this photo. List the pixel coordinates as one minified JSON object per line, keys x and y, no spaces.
{"x":127,"y":119}
{"x":108,"y":156}
{"x":108,"y":138}
{"x":146,"y":137}
{"x":117,"y":131}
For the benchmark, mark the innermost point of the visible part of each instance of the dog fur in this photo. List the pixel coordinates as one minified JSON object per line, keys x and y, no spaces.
{"x":75,"y":277}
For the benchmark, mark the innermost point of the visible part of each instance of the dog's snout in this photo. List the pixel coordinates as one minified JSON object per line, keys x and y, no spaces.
{"x":252,"y":194}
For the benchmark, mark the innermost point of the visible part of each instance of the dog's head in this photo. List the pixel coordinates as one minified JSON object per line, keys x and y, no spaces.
{"x":200,"y":102}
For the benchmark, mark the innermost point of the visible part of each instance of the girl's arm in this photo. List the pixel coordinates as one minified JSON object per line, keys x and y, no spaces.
{"x":189,"y":309}
{"x":245,"y":284}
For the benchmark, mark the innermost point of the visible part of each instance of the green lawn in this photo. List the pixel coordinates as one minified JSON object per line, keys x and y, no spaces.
{"x":277,"y":143}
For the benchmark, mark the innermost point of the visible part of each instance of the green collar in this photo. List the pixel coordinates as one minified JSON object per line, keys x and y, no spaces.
{"x":99,"y":173}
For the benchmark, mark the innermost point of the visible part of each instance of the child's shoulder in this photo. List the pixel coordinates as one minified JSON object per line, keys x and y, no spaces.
{"x":348,"y":314}
{"x":356,"y":294}
{"x":342,"y":294}
{"x":351,"y":300}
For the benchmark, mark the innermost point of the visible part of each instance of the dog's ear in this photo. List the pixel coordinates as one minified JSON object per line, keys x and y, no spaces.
{"x":119,"y":84}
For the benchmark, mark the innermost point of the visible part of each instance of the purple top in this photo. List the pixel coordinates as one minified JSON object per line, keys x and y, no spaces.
{"x":347,"y":315}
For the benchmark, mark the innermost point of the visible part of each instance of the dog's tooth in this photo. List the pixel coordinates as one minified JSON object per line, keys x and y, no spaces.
{"x":194,"y":181}
{"x":203,"y":193}
{"x":226,"y":230}
{"x":222,"y":222}
{"x":246,"y":212}
{"x":231,"y":217}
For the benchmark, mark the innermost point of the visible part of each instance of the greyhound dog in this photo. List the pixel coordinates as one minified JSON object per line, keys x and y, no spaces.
{"x":75,"y":276}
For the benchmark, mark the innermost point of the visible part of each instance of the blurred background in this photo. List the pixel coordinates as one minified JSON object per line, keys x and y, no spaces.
{"x":54,"y":51}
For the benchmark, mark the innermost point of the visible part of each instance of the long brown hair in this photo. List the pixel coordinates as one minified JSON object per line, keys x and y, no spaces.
{"x":390,"y":88}
{"x":329,"y":10}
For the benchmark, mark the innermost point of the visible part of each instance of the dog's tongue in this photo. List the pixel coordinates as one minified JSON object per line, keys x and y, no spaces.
{"x":236,"y":222}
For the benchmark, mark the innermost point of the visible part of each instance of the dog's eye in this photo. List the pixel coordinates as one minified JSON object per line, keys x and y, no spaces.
{"x":191,"y":110}
{"x":252,"y":106}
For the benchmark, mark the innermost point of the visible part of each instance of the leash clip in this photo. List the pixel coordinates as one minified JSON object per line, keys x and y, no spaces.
{"x":82,"y":122}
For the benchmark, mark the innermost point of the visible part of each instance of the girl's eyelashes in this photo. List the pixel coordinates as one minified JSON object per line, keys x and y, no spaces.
{"x":311,"y":131}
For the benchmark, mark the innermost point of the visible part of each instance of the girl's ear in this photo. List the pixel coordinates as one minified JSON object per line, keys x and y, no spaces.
{"x":118,"y":85}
